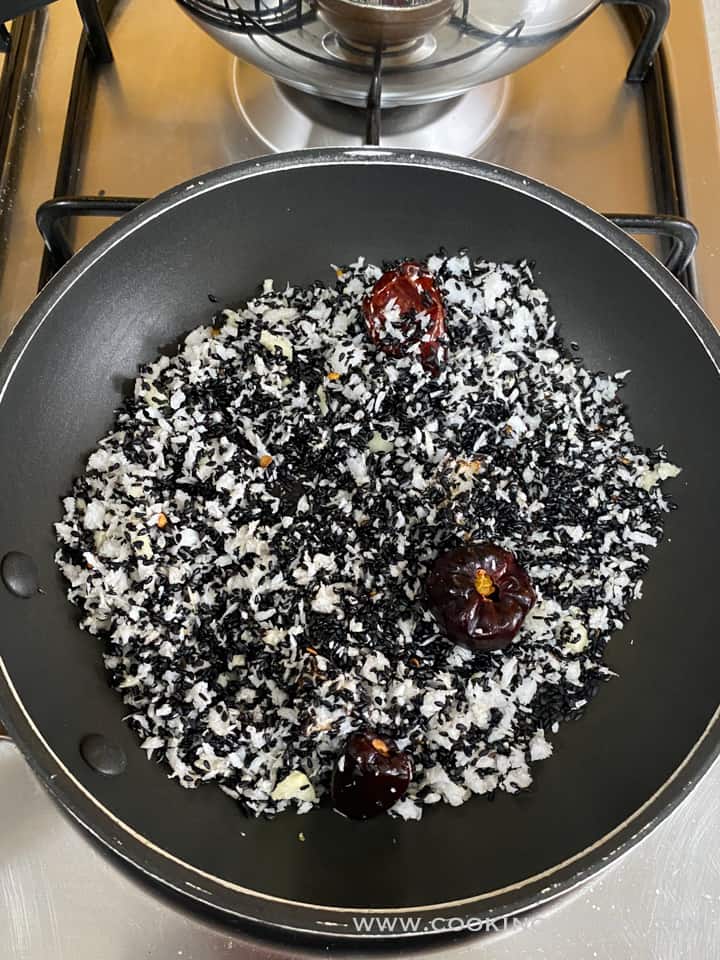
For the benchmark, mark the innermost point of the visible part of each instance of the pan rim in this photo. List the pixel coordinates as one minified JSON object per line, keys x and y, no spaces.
{"x":81,"y":803}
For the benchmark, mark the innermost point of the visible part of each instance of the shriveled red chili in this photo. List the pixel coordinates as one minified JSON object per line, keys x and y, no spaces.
{"x":410,"y":291}
{"x":479,"y":595}
{"x":370,"y":776}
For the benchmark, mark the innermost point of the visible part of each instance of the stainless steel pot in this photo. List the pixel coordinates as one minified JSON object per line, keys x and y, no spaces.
{"x":432,"y":49}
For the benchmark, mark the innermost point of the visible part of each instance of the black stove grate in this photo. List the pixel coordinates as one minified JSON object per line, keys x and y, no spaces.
{"x":94,"y":54}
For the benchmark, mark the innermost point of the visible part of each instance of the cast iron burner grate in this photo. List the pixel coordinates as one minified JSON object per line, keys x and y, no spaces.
{"x":94,"y":53}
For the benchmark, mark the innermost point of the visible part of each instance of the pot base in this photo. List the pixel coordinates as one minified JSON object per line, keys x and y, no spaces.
{"x":287,"y":119}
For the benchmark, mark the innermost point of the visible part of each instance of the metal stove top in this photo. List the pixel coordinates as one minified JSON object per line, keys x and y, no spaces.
{"x":174,"y":104}
{"x":62,"y":899}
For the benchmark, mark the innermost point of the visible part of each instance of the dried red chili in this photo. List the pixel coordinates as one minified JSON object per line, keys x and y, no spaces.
{"x":480,"y":595}
{"x":370,"y":776}
{"x":409,"y":293}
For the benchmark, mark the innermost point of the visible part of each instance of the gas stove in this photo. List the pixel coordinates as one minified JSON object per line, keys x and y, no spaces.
{"x":102,"y":104}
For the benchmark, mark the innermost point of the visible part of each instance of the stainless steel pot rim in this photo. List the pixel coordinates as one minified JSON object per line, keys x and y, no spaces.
{"x":389,"y":9}
{"x":539,"y":28}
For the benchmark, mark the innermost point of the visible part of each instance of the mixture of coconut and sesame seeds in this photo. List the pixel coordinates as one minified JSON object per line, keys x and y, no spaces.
{"x":253,"y":538}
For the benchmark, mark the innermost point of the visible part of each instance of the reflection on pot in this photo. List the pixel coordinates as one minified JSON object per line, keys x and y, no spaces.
{"x":368,"y":24}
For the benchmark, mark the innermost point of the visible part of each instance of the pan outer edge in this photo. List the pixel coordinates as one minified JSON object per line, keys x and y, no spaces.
{"x":81,"y":803}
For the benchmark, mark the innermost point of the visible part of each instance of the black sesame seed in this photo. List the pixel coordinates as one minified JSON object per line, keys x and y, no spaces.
{"x":559,"y":488}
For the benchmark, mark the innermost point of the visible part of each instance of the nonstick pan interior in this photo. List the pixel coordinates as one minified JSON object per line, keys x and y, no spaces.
{"x":133,"y":293}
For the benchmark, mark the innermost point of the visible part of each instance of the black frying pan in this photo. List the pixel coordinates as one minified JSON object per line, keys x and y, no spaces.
{"x":642,"y":743}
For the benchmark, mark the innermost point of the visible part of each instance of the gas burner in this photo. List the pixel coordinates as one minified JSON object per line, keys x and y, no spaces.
{"x":286,"y":119}
{"x":426,"y":50}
